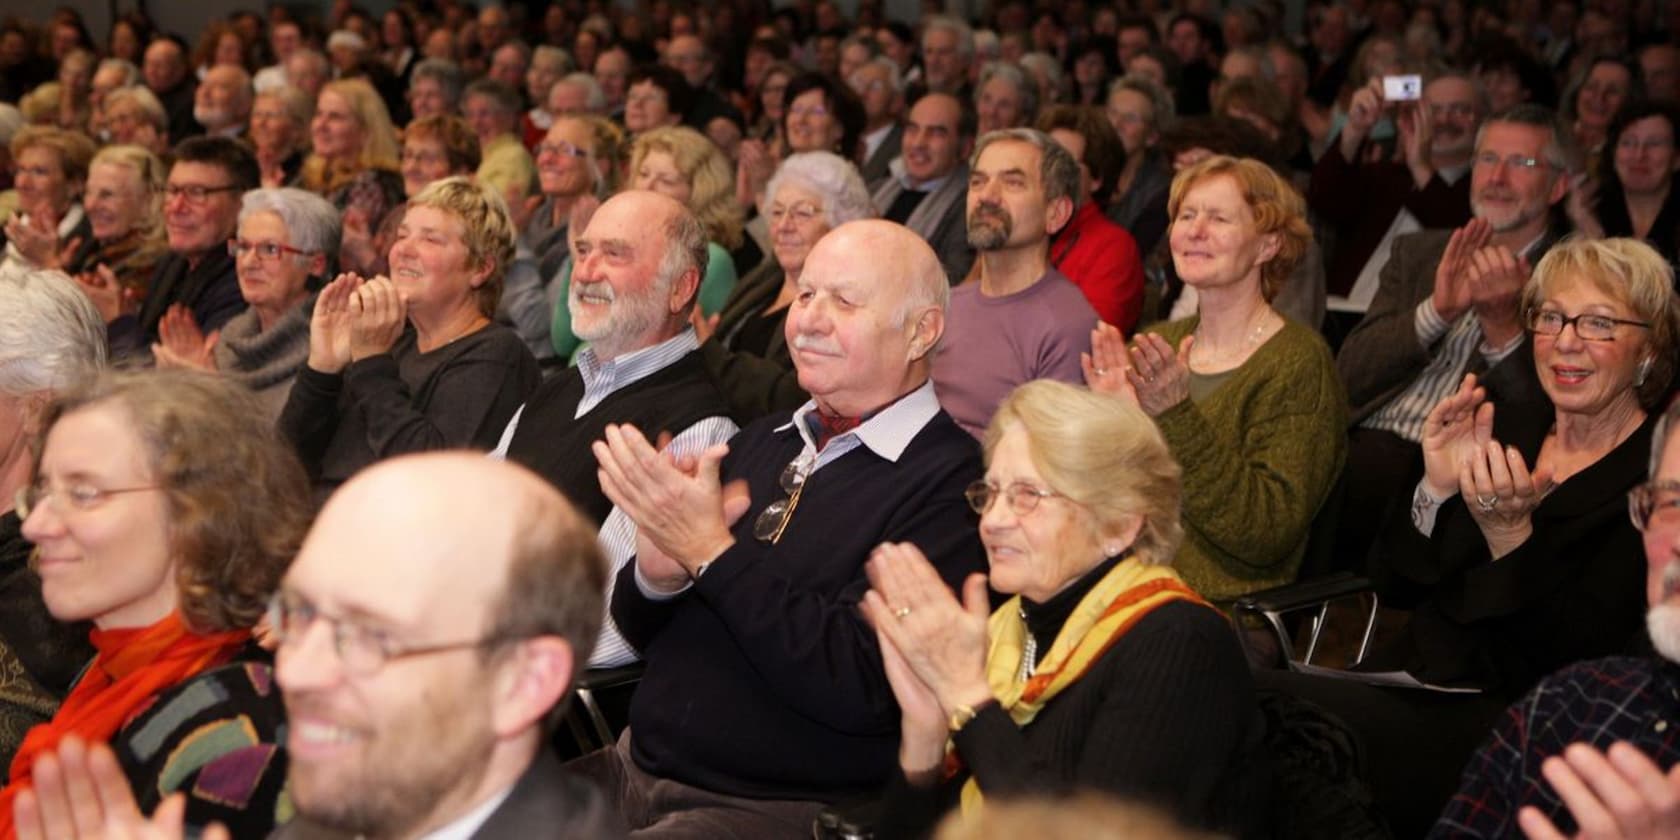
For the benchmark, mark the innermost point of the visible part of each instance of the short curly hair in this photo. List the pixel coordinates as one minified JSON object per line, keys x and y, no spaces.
{"x":238,"y":499}
{"x":1277,"y":207}
{"x":487,"y":227}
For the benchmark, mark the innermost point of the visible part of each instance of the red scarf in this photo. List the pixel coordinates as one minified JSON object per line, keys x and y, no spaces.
{"x":131,"y":667}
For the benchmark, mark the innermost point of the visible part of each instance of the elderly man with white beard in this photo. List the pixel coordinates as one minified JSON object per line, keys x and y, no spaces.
{"x":1594,"y":750}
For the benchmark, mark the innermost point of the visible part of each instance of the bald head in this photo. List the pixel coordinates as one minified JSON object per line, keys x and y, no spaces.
{"x":443,"y":539}
{"x":870,"y":309}
{"x":223,"y":99}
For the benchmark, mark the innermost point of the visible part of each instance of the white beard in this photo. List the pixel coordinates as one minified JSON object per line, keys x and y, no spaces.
{"x":1662,"y":621}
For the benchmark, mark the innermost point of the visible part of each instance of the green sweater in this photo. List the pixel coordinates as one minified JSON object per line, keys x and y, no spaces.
{"x":1260,"y":453}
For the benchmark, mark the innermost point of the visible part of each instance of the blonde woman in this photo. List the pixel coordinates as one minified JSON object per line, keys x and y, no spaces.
{"x":124,"y":205}
{"x":1104,"y":671}
{"x":350,"y":133}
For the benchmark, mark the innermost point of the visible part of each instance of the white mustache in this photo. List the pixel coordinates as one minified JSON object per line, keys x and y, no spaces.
{"x":1671,"y":578}
{"x":603,"y":291}
{"x":815,"y":344}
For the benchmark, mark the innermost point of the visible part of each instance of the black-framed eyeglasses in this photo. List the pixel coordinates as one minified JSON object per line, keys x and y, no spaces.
{"x":1022,"y":498}
{"x":361,"y":650}
{"x":269,"y":251}
{"x":1653,"y":502}
{"x":560,"y":147}
{"x":773,"y":520}
{"x":78,"y":496}
{"x":194,"y":192}
{"x":1588,"y":326}
{"x":1488,"y":160}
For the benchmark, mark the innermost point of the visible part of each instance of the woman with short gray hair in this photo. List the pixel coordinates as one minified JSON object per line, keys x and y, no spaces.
{"x":282,"y":250}
{"x":810,"y":194}
{"x":51,"y":340}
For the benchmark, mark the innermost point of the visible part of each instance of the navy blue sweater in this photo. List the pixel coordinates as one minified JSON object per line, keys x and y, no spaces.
{"x":763,"y":680}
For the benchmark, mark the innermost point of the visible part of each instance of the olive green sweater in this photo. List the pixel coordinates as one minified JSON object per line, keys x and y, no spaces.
{"x":1260,"y":454}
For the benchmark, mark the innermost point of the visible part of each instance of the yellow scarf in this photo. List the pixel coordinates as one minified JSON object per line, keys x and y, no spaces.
{"x":1130,"y":591}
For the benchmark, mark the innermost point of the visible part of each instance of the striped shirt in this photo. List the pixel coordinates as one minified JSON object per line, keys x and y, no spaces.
{"x":617,"y":538}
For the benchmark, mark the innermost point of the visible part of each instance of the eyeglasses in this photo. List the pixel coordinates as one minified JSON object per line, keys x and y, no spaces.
{"x":362,"y":650}
{"x":1587,"y":327}
{"x":1488,"y":160}
{"x":422,"y":157}
{"x":269,"y":251}
{"x":775,"y":517}
{"x":807,"y":111}
{"x":1021,"y":497}
{"x":802,"y":213}
{"x":193,"y":192}
{"x":1655,"y":503}
{"x":81,"y":497}
{"x":560,"y":147}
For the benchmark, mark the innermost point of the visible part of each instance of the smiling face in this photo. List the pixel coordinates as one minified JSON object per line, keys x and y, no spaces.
{"x":115,"y":202}
{"x":932,"y":145}
{"x":1645,"y":159}
{"x":658,"y":173}
{"x":42,"y":185}
{"x":197,"y":226}
{"x":1514,"y":198}
{"x":811,"y":124}
{"x":562,"y":162}
{"x":424,"y":160}
{"x":1037,"y":554}
{"x":336,"y":132}
{"x":1214,"y":239}
{"x":796,"y":223}
{"x":1604,"y":91}
{"x":1133,"y":117}
{"x":618,"y":301}
{"x":273,"y":285}
{"x":1588,"y":377}
{"x":432,"y":266}
{"x":111,"y":563}
{"x":999,"y":105}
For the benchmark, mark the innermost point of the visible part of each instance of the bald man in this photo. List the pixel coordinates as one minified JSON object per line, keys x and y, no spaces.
{"x":222,"y":103}
{"x":752,"y":592}
{"x":432,"y":620}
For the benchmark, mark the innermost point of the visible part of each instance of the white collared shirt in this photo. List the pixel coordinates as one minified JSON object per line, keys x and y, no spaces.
{"x":467,"y":824}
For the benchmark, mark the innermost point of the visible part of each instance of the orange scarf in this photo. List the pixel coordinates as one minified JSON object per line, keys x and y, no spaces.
{"x":131,"y":667}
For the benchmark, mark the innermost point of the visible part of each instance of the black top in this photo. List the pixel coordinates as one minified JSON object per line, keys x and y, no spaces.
{"x":1575,"y":590}
{"x":210,"y":289}
{"x":1044,"y":621}
{"x":755,"y":381}
{"x":763,"y":680}
{"x":39,"y":656}
{"x":1166,"y":716}
{"x":554,"y":442}
{"x":459,"y":396}
{"x":904,"y":205}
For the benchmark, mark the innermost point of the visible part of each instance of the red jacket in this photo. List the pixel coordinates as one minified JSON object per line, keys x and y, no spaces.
{"x":1102,"y":259}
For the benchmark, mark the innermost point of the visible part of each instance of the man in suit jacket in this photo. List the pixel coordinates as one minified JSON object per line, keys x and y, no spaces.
{"x":1447,"y":305}
{"x":928,"y":187}
{"x":417,"y":685}
{"x":881,"y":88}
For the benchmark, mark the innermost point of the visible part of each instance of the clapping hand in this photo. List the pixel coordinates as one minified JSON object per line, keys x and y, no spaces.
{"x":380,"y":312}
{"x":1496,"y":278}
{"x":109,"y":296}
{"x":679,"y":508}
{"x":35,"y":236}
{"x":1502,"y":494}
{"x":80,"y":793}
{"x":1452,"y":296}
{"x":330,"y":325}
{"x":1620,"y":794}
{"x":1455,"y":431}
{"x":181,"y":344}
{"x":1106,"y":365}
{"x":1159,"y":375}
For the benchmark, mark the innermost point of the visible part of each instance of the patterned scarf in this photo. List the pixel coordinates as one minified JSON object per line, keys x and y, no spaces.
{"x":1130,"y":591}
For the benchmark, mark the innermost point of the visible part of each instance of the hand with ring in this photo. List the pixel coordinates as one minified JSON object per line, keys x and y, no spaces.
{"x":1505,"y":494}
{"x":1160,"y":375}
{"x":1106,"y":365}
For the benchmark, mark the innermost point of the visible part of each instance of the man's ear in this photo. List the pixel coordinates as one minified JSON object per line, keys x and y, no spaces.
{"x":529,"y":682}
{"x":685,"y":291}
{"x":1057,"y":214}
{"x":930,"y":325}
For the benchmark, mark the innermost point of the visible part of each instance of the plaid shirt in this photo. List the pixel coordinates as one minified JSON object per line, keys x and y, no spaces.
{"x":1599,"y":702}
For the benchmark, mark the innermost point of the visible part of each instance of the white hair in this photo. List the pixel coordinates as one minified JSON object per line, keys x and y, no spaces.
{"x":845,"y":198}
{"x":593,"y":97}
{"x":312,"y":223}
{"x":965,"y":35}
{"x":51,"y":336}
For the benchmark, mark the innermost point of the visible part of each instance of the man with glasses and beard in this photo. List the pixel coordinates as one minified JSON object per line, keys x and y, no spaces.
{"x":1592,"y":748}
{"x":765,"y":695}
{"x":433,"y":620}
{"x":1022,"y":320}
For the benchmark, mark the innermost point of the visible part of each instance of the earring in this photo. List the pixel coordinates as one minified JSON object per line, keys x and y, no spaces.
{"x":1112,"y":551}
{"x":1643,"y":371}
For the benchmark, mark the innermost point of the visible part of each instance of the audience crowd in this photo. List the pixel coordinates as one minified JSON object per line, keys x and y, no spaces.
{"x":751,"y":420}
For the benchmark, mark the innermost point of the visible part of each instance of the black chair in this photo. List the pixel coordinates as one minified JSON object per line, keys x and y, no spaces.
{"x":595,"y":716}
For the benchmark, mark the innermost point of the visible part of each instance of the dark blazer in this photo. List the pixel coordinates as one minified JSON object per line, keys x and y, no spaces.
{"x":1575,"y":590}
{"x":1382,"y":356}
{"x":210,"y":289}
{"x":545,"y":802}
{"x":876,"y":167}
{"x":1359,"y":202}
